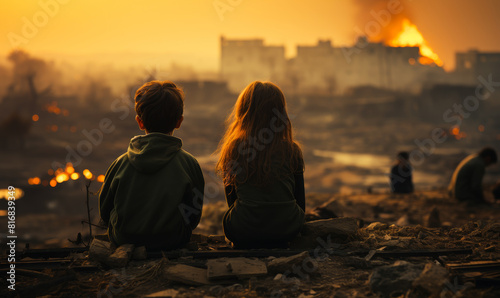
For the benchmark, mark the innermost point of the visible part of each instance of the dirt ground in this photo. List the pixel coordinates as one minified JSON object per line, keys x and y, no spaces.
{"x":344,"y":272}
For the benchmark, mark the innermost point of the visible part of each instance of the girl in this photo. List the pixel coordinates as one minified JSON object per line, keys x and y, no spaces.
{"x":262,"y":170}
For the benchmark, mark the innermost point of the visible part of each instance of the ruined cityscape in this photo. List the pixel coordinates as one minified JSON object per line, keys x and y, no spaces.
{"x":355,"y":111}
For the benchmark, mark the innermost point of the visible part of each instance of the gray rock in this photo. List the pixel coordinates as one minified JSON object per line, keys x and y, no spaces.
{"x":121,"y":256}
{"x":100,"y":250}
{"x":431,"y":281}
{"x":394,"y":280}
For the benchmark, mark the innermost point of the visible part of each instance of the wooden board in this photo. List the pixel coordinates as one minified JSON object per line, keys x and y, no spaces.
{"x":474,"y":266}
{"x":227,"y":268}
{"x":187,"y":274}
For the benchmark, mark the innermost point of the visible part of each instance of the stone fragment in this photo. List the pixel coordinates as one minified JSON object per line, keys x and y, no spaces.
{"x":100,"y":250}
{"x":403,"y":221}
{"x":394,"y":280}
{"x":431,"y":281}
{"x":121,"y":256}
{"x":377,"y":226}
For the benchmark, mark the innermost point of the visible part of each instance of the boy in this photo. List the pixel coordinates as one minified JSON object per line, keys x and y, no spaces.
{"x":153,"y":194}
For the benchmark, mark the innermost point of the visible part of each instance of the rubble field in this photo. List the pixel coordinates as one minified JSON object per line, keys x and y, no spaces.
{"x":367,"y":245}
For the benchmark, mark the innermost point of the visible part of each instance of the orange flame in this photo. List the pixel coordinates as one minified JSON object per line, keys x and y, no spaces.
{"x":100,"y":178}
{"x":87,"y":174}
{"x":411,"y":37}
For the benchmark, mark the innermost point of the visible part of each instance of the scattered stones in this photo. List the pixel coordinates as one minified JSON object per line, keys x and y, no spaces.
{"x":421,"y":235}
{"x":430,"y":282}
{"x":100,"y":250}
{"x":491,"y":230}
{"x":280,"y":265}
{"x":121,"y":256}
{"x":432,"y":220}
{"x":394,"y":280}
{"x":377,"y":226}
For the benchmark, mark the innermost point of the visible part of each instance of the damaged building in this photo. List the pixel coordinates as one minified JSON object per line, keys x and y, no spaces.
{"x":324,"y":69}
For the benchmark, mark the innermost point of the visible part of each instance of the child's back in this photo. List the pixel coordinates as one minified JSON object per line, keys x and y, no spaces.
{"x":153,"y":194}
{"x":262,"y":168}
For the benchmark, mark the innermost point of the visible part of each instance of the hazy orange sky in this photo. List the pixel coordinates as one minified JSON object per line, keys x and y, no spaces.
{"x":187,"y":31}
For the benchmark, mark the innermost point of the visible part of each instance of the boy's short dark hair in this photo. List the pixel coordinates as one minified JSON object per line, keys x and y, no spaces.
{"x":489,"y":152}
{"x":160,"y":105}
{"x":403,"y":155}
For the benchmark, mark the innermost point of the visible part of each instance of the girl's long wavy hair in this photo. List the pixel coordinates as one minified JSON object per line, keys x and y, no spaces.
{"x":258,"y":132}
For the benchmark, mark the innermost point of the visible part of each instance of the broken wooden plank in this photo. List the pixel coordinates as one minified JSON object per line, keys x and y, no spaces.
{"x":280,"y":265}
{"x":416,"y":253}
{"x":61,"y":264}
{"x":29,"y":273}
{"x":187,"y":275}
{"x":474,"y":266}
{"x":251,"y":253}
{"x":51,"y":252}
{"x":227,"y":268}
{"x":164,"y":293}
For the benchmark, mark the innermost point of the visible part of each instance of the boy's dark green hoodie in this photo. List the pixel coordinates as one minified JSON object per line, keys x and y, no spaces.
{"x":153,"y":194}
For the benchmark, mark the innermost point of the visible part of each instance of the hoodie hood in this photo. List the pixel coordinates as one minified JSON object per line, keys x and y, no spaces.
{"x":149,"y":153}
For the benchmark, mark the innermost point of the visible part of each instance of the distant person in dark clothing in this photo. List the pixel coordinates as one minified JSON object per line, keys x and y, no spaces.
{"x":401,"y":174}
{"x":466,"y":183}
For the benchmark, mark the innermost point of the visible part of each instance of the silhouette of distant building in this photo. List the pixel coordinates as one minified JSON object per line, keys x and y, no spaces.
{"x":471,"y":64}
{"x":243,"y":61}
{"x":324,"y":69}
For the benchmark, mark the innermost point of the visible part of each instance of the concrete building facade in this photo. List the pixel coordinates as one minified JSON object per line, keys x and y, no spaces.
{"x":324,"y":69}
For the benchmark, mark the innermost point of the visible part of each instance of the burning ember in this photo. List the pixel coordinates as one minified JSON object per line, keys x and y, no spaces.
{"x":54,"y":109}
{"x":62,"y":175}
{"x":455,"y":131}
{"x":409,"y":36}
